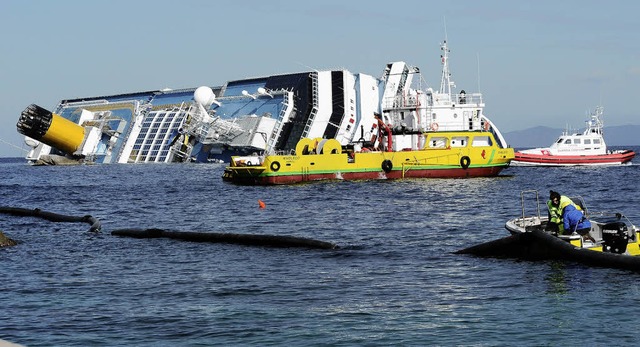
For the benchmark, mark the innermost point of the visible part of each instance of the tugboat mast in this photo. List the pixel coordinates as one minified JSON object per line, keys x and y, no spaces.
{"x":445,"y":82}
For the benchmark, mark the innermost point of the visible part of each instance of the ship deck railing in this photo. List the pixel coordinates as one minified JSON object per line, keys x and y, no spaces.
{"x":414,"y":101}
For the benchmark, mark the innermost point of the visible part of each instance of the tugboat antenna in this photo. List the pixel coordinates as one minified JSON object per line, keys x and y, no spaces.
{"x":478,"y":59}
{"x":445,"y":80}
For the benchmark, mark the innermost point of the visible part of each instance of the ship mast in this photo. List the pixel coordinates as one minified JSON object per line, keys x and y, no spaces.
{"x":445,"y":82}
{"x":595,"y":124}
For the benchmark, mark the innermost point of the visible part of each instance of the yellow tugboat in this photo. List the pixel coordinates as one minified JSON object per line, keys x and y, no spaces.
{"x":404,"y":133}
{"x":447,"y":154}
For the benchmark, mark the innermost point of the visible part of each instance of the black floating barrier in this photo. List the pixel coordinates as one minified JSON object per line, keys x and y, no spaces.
{"x":240,"y":239}
{"x":54,"y":217}
{"x":538,"y":245}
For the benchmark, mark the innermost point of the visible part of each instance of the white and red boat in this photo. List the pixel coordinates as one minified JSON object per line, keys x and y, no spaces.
{"x":586,"y":148}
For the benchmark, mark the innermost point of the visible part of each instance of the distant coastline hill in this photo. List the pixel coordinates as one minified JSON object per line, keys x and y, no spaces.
{"x":541,"y":136}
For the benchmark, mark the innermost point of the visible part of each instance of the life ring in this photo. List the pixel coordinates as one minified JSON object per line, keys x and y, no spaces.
{"x":387,"y":165}
{"x":465,"y":162}
{"x":275,"y":166}
{"x":487,"y":125}
{"x":434,"y":126}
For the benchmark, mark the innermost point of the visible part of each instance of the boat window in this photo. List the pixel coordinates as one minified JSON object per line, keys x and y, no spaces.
{"x":559,"y":140}
{"x":481,"y":141}
{"x":596,"y":141}
{"x":576,"y":141}
{"x":587,"y":141}
{"x":459,"y":141}
{"x":568,"y":142}
{"x":438,"y":142}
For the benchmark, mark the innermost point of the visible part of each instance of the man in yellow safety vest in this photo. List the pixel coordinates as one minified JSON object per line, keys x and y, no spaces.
{"x":556,"y":205}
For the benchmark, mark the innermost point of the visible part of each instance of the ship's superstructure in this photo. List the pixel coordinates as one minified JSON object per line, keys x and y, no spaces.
{"x":258,"y":115}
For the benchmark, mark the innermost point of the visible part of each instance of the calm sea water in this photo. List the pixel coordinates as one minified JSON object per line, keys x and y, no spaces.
{"x":394,"y":281}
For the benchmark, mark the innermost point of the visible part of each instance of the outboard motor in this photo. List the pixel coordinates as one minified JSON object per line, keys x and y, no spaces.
{"x":615,"y":237}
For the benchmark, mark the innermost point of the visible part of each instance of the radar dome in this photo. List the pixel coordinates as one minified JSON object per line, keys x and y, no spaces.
{"x":204,"y":96}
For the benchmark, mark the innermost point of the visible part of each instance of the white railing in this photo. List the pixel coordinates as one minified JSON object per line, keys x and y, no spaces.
{"x":413,"y":101}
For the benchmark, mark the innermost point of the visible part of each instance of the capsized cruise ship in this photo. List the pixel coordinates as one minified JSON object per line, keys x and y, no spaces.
{"x":257,"y":115}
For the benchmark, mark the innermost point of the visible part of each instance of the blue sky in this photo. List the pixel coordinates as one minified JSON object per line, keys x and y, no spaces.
{"x":536,"y":62}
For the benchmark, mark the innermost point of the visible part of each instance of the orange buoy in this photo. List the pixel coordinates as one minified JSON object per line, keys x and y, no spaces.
{"x":261,"y":204}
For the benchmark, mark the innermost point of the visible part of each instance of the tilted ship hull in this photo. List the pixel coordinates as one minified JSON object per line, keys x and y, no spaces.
{"x":257,"y":116}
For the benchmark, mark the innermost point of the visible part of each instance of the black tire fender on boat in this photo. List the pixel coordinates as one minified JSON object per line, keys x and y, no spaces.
{"x":387,"y":165}
{"x":465,"y":162}
{"x":275,"y":166}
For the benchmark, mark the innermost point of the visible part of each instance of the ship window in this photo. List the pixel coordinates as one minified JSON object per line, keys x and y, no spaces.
{"x":481,"y":141}
{"x":438,"y":142}
{"x":459,"y":141}
{"x":587,"y":141}
{"x":568,"y":142}
{"x":576,"y":141}
{"x":596,"y":141}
